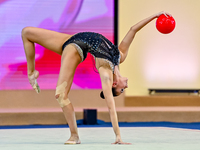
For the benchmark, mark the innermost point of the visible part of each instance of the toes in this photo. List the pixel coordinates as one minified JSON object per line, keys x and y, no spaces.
{"x":32,"y":79}
{"x":73,"y":142}
{"x":36,"y":87}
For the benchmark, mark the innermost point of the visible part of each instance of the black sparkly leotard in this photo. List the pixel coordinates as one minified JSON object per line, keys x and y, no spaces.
{"x":97,"y":45}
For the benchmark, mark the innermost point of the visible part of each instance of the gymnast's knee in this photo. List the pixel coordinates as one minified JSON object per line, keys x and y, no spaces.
{"x":60,"y":95}
{"x":62,"y":101}
{"x":26,"y":31}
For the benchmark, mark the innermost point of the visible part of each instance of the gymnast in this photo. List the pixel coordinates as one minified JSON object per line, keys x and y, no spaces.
{"x":73,"y":50}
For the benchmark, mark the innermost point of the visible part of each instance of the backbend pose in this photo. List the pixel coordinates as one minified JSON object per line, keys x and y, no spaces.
{"x":74,"y":49}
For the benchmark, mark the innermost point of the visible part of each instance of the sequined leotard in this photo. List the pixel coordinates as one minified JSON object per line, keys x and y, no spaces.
{"x":97,"y":45}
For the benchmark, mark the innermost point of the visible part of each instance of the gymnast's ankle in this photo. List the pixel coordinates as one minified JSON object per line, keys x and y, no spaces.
{"x":74,"y":135}
{"x":34,"y":73}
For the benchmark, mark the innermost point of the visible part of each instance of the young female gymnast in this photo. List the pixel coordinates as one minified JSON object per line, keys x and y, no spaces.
{"x":74,"y":49}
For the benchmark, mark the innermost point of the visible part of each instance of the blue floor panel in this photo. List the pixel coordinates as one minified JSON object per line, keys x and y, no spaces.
{"x":100,"y":123}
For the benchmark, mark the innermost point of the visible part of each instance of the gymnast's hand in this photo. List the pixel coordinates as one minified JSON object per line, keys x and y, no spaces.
{"x":119,"y":141}
{"x":163,"y":13}
{"x":33,"y":80}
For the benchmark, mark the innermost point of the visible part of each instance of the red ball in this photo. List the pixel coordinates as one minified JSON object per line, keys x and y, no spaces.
{"x":165,"y":24}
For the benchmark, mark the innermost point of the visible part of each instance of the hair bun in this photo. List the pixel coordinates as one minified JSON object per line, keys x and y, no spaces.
{"x":113,"y":93}
{"x":102,"y":95}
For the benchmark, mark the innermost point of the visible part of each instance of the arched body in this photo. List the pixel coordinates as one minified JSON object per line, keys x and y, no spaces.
{"x":74,"y":49}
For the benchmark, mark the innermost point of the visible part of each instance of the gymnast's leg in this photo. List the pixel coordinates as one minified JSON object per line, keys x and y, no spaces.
{"x":69,"y":61}
{"x":49,"y":39}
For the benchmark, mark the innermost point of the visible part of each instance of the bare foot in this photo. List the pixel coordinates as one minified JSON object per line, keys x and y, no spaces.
{"x":33,"y":81}
{"x":73,"y":140}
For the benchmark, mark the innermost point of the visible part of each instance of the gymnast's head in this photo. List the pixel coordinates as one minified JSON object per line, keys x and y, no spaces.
{"x":118,"y":87}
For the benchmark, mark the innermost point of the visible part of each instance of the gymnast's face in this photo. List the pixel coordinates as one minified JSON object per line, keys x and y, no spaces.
{"x":121,"y":85}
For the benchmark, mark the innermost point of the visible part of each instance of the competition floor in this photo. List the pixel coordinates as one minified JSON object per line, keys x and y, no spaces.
{"x":143,"y":136}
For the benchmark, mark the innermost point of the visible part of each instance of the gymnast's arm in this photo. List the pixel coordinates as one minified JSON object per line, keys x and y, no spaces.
{"x":107,"y":80}
{"x":127,"y":40}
